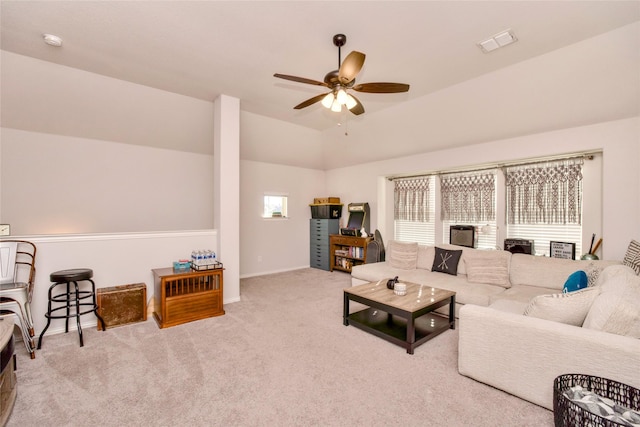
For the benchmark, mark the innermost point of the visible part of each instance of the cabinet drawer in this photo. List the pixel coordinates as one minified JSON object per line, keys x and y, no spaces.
{"x":348,"y":240}
{"x":319,"y":250}
{"x":321,"y":263}
{"x":319,"y":241}
{"x":324,"y":226}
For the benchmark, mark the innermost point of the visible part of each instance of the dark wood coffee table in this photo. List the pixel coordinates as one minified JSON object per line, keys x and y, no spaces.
{"x":407,"y":320}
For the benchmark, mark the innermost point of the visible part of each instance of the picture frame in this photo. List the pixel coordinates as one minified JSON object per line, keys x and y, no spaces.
{"x":563,"y":250}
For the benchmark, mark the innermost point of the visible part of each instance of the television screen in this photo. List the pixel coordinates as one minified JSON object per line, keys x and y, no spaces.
{"x":355,"y":220}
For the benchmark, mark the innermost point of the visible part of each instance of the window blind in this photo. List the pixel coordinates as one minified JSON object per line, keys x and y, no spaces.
{"x":414,"y":210}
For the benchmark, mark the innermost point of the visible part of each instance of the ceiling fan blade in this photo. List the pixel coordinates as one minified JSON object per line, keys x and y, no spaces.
{"x":381,"y":87}
{"x":300,"y":80}
{"x":358,"y":108}
{"x":351,"y":66}
{"x":310,"y":101}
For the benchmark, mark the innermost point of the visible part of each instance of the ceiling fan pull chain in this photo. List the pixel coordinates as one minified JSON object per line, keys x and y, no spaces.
{"x":346,"y":122}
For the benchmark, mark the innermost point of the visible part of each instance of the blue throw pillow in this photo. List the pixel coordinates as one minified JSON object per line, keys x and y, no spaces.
{"x":576,"y":281}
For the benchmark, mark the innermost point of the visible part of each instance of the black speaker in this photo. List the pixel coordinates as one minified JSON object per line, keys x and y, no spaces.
{"x":519,"y":246}
{"x":462,"y":235}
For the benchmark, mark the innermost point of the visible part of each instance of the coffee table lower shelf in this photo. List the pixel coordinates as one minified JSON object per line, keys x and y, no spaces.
{"x":394,"y":328}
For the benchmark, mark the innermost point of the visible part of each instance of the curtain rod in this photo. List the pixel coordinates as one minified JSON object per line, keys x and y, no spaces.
{"x":588,"y":155}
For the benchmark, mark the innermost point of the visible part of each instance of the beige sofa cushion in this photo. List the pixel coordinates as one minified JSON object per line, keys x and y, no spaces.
{"x":547,"y":272}
{"x":617,"y":307}
{"x":425,"y":257}
{"x":490,"y":267}
{"x":570,"y":308}
{"x":403,"y":255}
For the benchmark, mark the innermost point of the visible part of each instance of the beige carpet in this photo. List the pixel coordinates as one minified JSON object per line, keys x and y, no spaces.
{"x":280,"y":357}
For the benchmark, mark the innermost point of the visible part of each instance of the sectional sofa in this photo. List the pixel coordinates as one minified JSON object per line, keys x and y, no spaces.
{"x":517,"y":329}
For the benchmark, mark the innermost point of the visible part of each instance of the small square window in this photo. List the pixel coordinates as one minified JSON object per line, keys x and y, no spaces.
{"x":275,"y":206}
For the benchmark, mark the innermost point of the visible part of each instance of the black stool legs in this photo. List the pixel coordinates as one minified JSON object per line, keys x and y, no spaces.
{"x":72,"y":299}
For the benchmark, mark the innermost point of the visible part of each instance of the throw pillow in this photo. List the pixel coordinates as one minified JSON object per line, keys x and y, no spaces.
{"x":446,"y":261}
{"x":576,"y":281}
{"x":593,"y":272}
{"x":571,"y":308}
{"x":632,"y":257}
{"x":403,"y":255}
{"x":617,"y":307}
{"x":490,"y":267}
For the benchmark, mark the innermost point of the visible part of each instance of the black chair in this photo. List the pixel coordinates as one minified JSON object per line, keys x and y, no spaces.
{"x":73,"y":299}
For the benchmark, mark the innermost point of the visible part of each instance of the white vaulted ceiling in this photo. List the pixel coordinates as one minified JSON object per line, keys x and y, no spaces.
{"x":458,"y":94}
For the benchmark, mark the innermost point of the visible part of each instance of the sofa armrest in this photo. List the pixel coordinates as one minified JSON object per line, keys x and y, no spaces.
{"x":523,"y":355}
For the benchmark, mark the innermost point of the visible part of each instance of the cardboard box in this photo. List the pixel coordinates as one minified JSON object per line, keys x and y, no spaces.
{"x":325,"y":200}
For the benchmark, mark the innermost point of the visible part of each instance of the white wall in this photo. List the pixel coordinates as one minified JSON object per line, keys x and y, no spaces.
{"x":619,"y":141}
{"x":530,"y":97}
{"x":275,"y":141}
{"x":45,"y":97}
{"x":116,"y":259}
{"x":54,"y":184}
{"x":271,"y":245}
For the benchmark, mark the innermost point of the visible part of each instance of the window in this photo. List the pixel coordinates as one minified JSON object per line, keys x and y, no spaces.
{"x":544,"y":203}
{"x":541,"y":200}
{"x":275,"y":206}
{"x":469,"y":198}
{"x":414,"y":210}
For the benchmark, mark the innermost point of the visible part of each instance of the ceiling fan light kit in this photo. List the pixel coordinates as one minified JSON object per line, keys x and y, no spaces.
{"x":342,"y":80}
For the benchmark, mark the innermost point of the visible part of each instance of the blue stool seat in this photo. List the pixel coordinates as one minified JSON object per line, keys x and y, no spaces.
{"x":75,"y":302}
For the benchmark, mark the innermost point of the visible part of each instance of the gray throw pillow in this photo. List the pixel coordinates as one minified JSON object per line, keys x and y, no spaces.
{"x":632,"y":257}
{"x":446,"y":261}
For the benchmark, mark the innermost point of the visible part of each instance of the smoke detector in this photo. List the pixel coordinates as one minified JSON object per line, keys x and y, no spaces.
{"x":52,"y":40}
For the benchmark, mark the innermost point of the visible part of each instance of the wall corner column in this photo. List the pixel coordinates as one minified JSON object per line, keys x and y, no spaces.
{"x":226,"y":199}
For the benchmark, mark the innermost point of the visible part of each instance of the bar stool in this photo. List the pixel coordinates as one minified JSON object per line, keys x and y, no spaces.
{"x":71,"y":299}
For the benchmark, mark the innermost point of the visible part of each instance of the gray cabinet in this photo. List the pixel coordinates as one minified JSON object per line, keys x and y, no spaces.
{"x":319,"y":231}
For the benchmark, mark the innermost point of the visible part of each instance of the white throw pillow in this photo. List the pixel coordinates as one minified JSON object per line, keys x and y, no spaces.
{"x":617,"y":308}
{"x":403,"y":255}
{"x":490,"y":267}
{"x":570,"y":308}
{"x":632,"y":257}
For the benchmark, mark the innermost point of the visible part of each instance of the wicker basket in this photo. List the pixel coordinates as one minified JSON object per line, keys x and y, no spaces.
{"x":566,"y":413}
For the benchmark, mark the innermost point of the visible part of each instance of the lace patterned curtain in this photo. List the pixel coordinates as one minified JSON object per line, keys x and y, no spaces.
{"x":545,"y":193}
{"x":411,"y":199}
{"x":468,"y":196}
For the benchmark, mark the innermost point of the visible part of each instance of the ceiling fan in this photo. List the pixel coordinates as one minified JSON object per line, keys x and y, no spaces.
{"x":343,"y":79}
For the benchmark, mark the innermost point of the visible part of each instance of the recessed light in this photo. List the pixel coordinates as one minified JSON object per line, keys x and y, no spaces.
{"x":52,"y":40}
